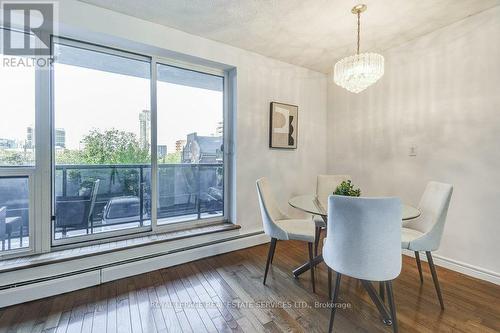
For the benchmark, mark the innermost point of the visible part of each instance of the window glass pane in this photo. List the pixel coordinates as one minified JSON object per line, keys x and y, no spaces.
{"x":14,"y":213}
{"x":190,"y":145}
{"x":102,"y":141}
{"x":17,"y":109}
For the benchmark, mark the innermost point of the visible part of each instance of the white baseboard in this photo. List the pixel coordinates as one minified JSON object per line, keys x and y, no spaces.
{"x":461,"y":267}
{"x":30,"y":292}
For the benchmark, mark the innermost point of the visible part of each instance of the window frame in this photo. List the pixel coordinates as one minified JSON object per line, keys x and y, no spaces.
{"x":37,"y":235}
{"x":173,"y":226}
{"x":154,"y":59}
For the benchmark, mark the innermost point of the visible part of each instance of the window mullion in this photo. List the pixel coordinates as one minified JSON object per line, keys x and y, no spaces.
{"x":154,"y":147}
{"x":43,"y":153}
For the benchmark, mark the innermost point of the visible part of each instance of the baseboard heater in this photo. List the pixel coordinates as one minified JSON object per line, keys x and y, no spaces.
{"x":127,"y":261}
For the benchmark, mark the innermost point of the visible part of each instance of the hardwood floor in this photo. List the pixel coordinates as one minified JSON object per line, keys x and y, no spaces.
{"x":225,"y":293}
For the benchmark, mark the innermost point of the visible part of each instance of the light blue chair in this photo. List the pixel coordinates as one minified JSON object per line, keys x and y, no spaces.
{"x":364,"y":242}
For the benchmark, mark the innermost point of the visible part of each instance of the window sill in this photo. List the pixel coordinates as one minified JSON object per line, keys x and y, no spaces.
{"x":58,"y":256}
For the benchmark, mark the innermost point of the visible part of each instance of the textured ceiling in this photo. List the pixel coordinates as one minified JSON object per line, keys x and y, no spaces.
{"x":309,"y":33}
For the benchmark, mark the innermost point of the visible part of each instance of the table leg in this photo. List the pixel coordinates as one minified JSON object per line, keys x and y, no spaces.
{"x":307,"y":266}
{"x":378,"y":302}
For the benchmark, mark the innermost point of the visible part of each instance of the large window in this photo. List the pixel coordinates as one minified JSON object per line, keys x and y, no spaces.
{"x":105,"y":143}
{"x":17,"y":147}
{"x":190,"y":145}
{"x":109,"y":115}
{"x":102,"y":140}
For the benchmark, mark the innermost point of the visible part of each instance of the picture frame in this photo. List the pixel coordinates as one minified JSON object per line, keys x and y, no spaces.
{"x":283,"y":126}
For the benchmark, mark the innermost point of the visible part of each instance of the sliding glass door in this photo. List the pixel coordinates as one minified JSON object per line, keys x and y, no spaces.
{"x":190,"y":145}
{"x":101,"y":141}
{"x":109,"y":115}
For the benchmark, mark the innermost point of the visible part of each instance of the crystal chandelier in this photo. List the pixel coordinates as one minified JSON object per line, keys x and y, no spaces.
{"x":358,"y":72}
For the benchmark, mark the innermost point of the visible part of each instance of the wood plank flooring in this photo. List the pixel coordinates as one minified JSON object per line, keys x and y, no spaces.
{"x":225,"y":294}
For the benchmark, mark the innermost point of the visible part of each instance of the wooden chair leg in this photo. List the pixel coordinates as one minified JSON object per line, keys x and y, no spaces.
{"x":435,"y":278}
{"x":317,"y":236}
{"x":310,"y":248}
{"x":329,"y":283}
{"x":392,"y":305}
{"x":419,"y":266}
{"x":334,"y":300}
{"x":270,"y":254}
{"x":381,"y":291}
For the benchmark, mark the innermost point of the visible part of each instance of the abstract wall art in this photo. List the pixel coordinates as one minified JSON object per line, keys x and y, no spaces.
{"x":283,"y":126}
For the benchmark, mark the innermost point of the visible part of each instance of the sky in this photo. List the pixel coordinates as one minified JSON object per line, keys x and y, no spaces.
{"x":85,"y":99}
{"x":17,"y":101}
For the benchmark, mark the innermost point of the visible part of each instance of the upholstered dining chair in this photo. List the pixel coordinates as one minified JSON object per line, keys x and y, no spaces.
{"x":325,"y":186}
{"x":363,"y":242}
{"x":424,"y":233}
{"x":279,"y":226}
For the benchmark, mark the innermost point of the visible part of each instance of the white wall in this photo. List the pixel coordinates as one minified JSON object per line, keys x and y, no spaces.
{"x":441,"y":93}
{"x":260,"y":80}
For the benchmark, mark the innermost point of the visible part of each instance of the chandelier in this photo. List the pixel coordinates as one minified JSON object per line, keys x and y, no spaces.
{"x":359,"y":71}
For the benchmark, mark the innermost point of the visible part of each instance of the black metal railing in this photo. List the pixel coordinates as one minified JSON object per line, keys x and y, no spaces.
{"x":124,"y":193}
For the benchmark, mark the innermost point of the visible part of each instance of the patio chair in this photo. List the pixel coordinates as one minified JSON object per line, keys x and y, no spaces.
{"x":75,"y":212}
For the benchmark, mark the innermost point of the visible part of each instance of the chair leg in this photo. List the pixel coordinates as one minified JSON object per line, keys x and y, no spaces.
{"x":419,"y":266}
{"x":435,"y":278}
{"x":392,"y":305}
{"x":329,"y":283}
{"x":317,"y":236}
{"x":274,"y":250}
{"x":310,"y":248}
{"x":381,"y":291}
{"x":334,"y":301}
{"x":270,"y":254}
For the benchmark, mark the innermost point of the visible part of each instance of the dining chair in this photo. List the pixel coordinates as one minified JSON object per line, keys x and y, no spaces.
{"x":325,"y":186}
{"x":425,"y":232}
{"x":279,"y":226}
{"x":363,"y":242}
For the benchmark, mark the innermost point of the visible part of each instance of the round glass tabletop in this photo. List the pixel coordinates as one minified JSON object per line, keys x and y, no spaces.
{"x":309,"y":203}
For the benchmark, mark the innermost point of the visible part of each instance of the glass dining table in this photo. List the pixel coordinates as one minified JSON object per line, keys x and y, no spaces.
{"x":309,"y":203}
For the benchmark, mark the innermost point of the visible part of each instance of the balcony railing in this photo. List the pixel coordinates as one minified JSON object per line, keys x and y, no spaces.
{"x":185,"y":192}
{"x":123,"y":197}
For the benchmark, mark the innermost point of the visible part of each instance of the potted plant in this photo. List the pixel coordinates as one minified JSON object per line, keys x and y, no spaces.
{"x":347,"y":189}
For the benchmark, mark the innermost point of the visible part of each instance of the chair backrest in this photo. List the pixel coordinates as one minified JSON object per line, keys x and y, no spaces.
{"x":270,"y":210}
{"x":326,"y":185}
{"x":93,"y":197}
{"x":3,"y":218}
{"x":364,"y":237}
{"x":434,"y":209}
{"x":72,"y":213}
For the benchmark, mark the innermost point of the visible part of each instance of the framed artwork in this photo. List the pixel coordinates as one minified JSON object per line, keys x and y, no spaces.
{"x":283,"y":128}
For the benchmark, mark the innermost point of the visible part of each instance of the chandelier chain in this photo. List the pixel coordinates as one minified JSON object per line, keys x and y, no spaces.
{"x":359,"y":28}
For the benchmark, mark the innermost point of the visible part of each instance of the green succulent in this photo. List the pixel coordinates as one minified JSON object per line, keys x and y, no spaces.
{"x":347,"y":189}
